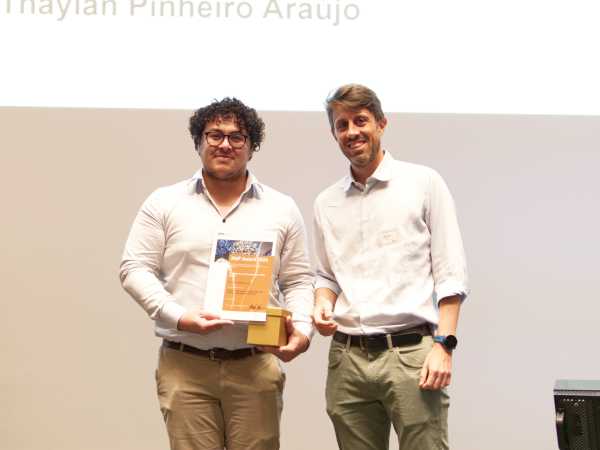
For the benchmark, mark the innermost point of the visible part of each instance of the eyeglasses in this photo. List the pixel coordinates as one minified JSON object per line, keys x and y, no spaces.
{"x":215,"y":138}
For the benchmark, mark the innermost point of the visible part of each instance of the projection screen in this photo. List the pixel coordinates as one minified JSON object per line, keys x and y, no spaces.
{"x":501,"y":98}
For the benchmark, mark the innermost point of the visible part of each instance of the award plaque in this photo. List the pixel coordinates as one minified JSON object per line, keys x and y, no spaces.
{"x":240,"y":276}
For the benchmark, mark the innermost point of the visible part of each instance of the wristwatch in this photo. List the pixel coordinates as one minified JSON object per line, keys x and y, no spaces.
{"x":449,"y":342}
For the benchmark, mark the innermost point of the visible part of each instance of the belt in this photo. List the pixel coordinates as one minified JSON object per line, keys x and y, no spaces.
{"x":378,"y":342}
{"x":214,"y":354}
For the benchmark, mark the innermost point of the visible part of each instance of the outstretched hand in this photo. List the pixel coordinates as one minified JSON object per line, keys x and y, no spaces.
{"x":201,"y":322}
{"x":297,"y":343}
{"x":322,"y":317}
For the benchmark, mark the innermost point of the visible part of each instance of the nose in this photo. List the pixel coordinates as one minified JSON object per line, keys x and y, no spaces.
{"x":353,"y":130}
{"x":225,"y":144}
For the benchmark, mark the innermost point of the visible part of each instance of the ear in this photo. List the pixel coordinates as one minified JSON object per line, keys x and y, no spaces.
{"x":251,"y":152}
{"x":382,"y":123}
{"x":333,"y":134}
{"x":198,"y":145}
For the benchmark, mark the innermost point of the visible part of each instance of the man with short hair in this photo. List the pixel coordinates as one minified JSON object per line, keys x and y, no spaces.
{"x":214,"y":390}
{"x":391,"y":269}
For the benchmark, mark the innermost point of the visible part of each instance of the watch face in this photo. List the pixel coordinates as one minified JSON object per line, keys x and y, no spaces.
{"x":450,"y":342}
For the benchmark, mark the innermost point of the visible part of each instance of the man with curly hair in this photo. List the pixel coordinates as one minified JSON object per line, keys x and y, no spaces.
{"x":214,"y":390}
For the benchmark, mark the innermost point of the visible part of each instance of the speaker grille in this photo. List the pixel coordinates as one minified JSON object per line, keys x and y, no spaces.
{"x":576,"y":422}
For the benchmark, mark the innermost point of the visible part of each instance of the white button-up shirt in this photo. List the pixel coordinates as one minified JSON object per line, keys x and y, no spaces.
{"x":167,"y":256}
{"x":390,"y":249}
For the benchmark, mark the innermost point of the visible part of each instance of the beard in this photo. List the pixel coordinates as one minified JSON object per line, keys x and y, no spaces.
{"x":216,"y":175}
{"x":224,"y":172}
{"x":367,"y":156}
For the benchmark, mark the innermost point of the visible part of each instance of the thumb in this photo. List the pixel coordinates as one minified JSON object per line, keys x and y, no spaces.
{"x":209,"y":315}
{"x":289,"y":325}
{"x":326,"y":311}
{"x":423,"y":376}
{"x":424,"y":371}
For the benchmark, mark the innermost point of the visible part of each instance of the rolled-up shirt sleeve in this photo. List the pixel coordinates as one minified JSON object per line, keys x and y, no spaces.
{"x":448,"y":261}
{"x":295,"y":275}
{"x":141,"y":261}
{"x":324,"y":275}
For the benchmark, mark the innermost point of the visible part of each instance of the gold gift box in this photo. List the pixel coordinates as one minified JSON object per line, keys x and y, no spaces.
{"x":272,"y":332}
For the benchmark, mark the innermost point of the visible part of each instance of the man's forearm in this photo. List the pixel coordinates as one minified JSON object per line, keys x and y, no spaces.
{"x":145,"y":288}
{"x":323,"y":295}
{"x":449,"y":312}
{"x":299,"y":300}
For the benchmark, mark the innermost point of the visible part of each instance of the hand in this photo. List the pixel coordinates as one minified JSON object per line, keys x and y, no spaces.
{"x":437,"y":369}
{"x":297,"y":343}
{"x":322,"y":317}
{"x":201,"y":322}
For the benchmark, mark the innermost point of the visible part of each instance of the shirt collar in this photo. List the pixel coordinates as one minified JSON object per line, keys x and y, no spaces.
{"x":383,"y":172}
{"x":253,"y":187}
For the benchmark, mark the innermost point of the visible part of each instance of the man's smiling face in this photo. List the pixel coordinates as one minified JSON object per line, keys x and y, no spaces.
{"x":225,"y":160}
{"x":358,"y":134}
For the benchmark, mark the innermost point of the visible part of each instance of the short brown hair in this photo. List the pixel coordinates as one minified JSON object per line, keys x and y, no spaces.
{"x":354,"y":97}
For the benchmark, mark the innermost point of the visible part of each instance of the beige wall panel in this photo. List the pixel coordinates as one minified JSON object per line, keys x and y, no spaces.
{"x":78,"y":355}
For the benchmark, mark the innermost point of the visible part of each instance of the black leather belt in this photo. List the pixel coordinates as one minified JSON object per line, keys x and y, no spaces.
{"x":214,"y":354}
{"x":378,"y":342}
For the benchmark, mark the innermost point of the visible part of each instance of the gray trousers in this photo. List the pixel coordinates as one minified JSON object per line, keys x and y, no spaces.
{"x":368,"y":392}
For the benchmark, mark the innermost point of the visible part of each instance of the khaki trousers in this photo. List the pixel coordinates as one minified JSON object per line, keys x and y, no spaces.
{"x":209,"y":405}
{"x":366,"y":392}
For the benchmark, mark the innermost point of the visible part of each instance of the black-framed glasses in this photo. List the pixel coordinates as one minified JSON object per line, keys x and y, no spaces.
{"x":216,"y":137}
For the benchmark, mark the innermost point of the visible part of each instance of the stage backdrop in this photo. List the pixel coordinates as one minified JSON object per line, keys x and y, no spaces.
{"x":78,"y":355}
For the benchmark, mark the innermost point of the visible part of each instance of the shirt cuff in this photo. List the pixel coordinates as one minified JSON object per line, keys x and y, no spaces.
{"x":170,"y":313}
{"x":322,"y":282}
{"x":449,"y":288}
{"x":304,"y":327}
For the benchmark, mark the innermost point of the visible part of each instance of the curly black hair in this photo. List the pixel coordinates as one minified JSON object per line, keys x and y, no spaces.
{"x":245,"y":117}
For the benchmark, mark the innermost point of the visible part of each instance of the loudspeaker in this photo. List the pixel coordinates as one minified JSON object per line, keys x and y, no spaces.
{"x":577,"y":406}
